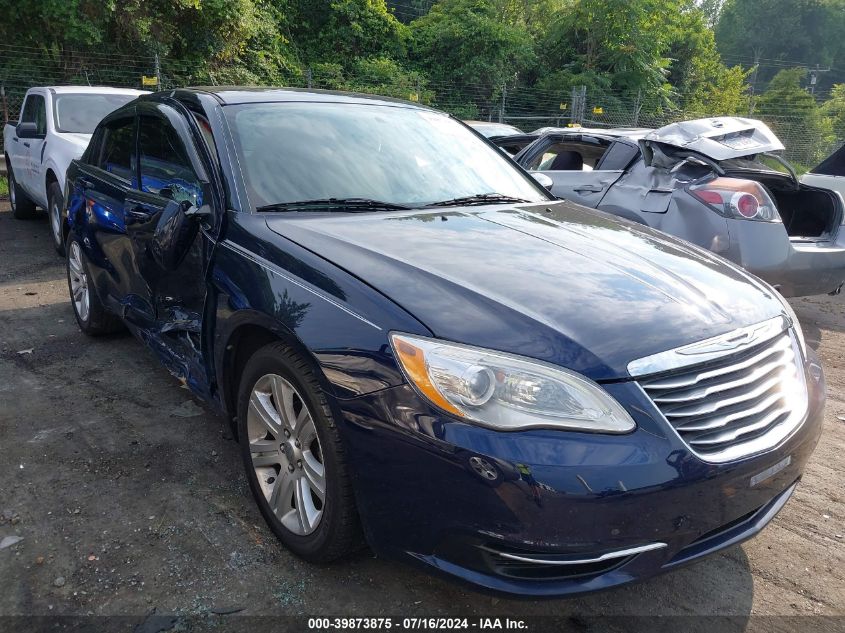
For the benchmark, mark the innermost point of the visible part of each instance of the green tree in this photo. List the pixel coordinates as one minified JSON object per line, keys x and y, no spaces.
{"x":625,"y":40}
{"x":341,"y":31}
{"x":795,"y":116}
{"x":796,"y":31}
{"x":834,"y":110}
{"x":466,"y":44}
{"x":702,"y":83}
{"x":235,"y":39}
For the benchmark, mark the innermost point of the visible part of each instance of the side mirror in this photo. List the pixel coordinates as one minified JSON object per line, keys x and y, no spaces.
{"x":543,"y":180}
{"x":174,"y":234}
{"x":27,"y":130}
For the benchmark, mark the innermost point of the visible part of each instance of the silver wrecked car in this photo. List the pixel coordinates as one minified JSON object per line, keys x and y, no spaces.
{"x":714,"y":182}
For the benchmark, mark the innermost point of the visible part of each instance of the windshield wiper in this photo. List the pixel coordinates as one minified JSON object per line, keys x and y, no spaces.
{"x":348,"y":205}
{"x":479,"y":198}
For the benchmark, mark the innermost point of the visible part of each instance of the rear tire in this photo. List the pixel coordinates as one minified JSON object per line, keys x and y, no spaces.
{"x":293,"y":456}
{"x":90,"y":313}
{"x":55,"y":211}
{"x":22,"y":207}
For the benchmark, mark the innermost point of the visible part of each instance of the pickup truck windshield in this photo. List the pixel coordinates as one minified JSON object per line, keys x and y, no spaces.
{"x":80,"y":113}
{"x":292,"y":152}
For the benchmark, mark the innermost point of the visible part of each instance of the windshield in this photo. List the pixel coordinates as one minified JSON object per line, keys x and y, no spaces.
{"x":399,"y":155}
{"x":80,"y":113}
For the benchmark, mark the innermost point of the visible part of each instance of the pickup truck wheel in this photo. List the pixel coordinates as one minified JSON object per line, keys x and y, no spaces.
{"x":56,"y":202}
{"x":90,"y":313}
{"x":294,"y":458}
{"x":22,"y":207}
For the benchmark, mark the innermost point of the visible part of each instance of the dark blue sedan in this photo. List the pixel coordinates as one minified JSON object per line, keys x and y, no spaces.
{"x":420,"y":349}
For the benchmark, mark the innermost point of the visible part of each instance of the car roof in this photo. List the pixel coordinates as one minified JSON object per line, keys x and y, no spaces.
{"x":106,"y":90}
{"x":490,"y":123}
{"x":233,"y":95}
{"x":632,"y":133}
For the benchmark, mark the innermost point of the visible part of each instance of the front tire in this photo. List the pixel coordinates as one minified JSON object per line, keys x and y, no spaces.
{"x":294,"y":458}
{"x":90,"y":313}
{"x":55,"y":204}
{"x":22,"y":207}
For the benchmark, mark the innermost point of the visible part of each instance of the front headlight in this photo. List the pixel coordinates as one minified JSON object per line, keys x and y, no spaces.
{"x":506,"y":392}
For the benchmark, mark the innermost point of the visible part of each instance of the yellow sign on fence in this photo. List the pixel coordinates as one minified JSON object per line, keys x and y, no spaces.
{"x":598,"y":110}
{"x":149,"y":81}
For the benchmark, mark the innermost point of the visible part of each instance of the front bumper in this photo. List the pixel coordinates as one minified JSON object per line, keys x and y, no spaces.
{"x":474,"y":504}
{"x":796,"y":268}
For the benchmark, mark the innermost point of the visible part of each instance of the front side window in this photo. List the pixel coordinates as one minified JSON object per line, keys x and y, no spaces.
{"x":116,"y":150}
{"x":292,"y":152}
{"x":164,"y":162}
{"x":35,"y":111}
{"x":80,"y":113}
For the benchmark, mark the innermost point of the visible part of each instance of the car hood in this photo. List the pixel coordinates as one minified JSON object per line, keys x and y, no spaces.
{"x":719,"y":138}
{"x":557,"y":281}
{"x":79,"y":140}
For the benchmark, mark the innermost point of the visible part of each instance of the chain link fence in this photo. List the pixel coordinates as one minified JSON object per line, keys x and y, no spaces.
{"x":524,"y":107}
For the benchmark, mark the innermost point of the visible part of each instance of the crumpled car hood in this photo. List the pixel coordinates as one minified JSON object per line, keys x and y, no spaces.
{"x":557,"y":281}
{"x":719,"y":138}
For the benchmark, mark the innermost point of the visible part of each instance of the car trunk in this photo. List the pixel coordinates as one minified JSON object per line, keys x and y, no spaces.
{"x":807,"y":212}
{"x":740,"y":148}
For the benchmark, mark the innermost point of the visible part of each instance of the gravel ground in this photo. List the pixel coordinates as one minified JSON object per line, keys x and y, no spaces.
{"x":130,"y":499}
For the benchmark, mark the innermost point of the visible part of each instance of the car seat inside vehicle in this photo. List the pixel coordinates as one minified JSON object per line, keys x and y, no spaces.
{"x":567,"y":161}
{"x":570,"y":156}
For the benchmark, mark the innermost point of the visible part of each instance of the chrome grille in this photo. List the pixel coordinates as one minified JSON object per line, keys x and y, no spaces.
{"x":735,"y":405}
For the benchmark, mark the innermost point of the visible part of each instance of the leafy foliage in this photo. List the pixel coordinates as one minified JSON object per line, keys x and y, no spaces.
{"x":795,"y":31}
{"x":785,"y":94}
{"x":657,"y":58}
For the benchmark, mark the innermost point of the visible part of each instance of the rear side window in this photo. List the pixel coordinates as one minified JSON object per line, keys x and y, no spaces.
{"x":117,"y":141}
{"x":164,"y":161}
{"x":569,"y":155}
{"x":619,"y":156}
{"x":35,"y":111}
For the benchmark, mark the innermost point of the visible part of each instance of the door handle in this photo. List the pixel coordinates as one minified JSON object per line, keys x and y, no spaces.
{"x":137,"y":213}
{"x":15,"y":139}
{"x":85,"y":183}
{"x":589,"y":188}
{"x":26,"y":144}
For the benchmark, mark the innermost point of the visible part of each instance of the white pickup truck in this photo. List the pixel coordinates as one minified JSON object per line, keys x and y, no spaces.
{"x":55,"y":126}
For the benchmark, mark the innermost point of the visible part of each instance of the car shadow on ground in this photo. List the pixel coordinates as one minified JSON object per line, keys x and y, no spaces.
{"x":140,"y":477}
{"x":132,"y":496}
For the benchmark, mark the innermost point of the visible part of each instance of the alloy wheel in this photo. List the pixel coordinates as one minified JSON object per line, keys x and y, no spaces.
{"x":286,"y":454}
{"x":78,"y":282}
{"x":56,"y":222}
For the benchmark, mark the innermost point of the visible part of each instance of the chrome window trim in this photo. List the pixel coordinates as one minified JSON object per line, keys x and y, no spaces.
{"x":709,"y":349}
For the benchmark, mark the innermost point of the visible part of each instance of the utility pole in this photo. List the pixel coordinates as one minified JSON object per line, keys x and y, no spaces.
{"x":637,"y":106}
{"x":504,"y":99}
{"x":752,"y":96}
{"x":579,"y":104}
{"x":309,"y":77}
{"x":814,"y":77}
{"x":158,"y":72}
